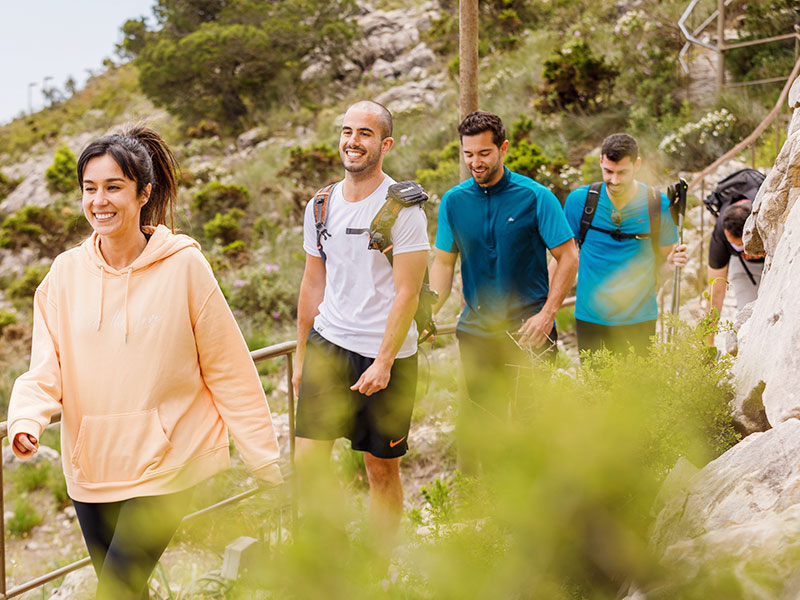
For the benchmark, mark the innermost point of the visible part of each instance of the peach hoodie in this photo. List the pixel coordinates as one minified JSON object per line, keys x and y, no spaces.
{"x":149,"y":367}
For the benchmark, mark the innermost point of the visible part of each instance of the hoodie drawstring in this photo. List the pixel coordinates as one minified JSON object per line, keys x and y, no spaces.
{"x":125,"y":309}
{"x":100,"y":307}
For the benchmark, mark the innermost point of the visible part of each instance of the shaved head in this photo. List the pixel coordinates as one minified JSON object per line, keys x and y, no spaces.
{"x":384,"y":116}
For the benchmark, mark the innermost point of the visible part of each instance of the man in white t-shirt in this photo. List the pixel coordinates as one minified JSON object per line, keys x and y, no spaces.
{"x":356,"y":363}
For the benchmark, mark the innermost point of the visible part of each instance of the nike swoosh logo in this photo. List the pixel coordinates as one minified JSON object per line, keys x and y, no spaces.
{"x":392,"y":444}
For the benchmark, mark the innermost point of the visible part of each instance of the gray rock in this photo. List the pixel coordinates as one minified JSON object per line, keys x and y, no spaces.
{"x":756,"y":478}
{"x":412,"y":94}
{"x":45,"y":453}
{"x":78,"y":585}
{"x":740,"y":513}
{"x":768,"y":340}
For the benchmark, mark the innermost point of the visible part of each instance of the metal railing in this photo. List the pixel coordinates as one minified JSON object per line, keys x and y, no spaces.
{"x":722,"y":47}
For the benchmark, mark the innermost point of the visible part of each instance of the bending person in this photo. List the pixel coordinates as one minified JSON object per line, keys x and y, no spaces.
{"x":133,"y":341}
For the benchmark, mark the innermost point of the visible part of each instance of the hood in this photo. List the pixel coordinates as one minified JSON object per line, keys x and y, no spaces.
{"x":161,"y":245}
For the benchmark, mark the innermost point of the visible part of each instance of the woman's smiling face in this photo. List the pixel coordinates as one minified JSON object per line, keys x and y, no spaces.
{"x":110,"y":202}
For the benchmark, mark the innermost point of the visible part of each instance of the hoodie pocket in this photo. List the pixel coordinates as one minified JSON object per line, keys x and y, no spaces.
{"x":116,"y":448}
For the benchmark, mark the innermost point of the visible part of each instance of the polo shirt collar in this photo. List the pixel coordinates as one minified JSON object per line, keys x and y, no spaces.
{"x":497,"y":187}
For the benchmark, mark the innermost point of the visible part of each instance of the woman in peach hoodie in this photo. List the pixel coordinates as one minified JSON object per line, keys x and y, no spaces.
{"x":133,"y":341}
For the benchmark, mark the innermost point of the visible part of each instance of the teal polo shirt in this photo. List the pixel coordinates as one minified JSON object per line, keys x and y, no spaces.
{"x":502,"y":233}
{"x":616,"y":278}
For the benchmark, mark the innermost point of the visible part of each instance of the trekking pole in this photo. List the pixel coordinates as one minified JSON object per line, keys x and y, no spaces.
{"x":677,"y":208}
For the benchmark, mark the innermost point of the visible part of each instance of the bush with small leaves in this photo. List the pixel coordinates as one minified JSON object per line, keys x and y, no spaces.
{"x":21,"y":290}
{"x":216,"y":198}
{"x":7,"y":185}
{"x":61,"y":175}
{"x":24,"y":518}
{"x":575,"y":80}
{"x":225,"y":228}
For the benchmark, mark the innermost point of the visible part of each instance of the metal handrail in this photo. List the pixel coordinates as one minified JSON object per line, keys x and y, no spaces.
{"x":750,"y":139}
{"x":691,"y":38}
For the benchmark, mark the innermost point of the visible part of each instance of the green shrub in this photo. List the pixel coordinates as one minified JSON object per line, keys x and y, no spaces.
{"x":204,"y":129}
{"x":225,"y":228}
{"x":7,"y":185}
{"x":41,"y":228}
{"x":21,"y":290}
{"x":7,"y":318}
{"x":24,"y":518}
{"x":443,"y":170}
{"x":61,"y":176}
{"x":645,"y":45}
{"x":526,"y":158}
{"x":43,"y":475}
{"x":697,"y":144}
{"x":264,"y":297}
{"x":217,"y":198}
{"x":309,"y":169}
{"x":760,"y":20}
{"x":589,"y":455}
{"x":575,"y":80}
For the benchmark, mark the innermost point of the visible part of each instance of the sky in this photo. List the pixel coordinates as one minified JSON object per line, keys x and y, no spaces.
{"x":56,"y":38}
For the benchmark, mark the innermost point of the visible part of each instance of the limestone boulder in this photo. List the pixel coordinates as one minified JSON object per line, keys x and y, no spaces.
{"x":778,"y":193}
{"x":740,"y":513}
{"x":412,"y":94}
{"x":768,"y":359}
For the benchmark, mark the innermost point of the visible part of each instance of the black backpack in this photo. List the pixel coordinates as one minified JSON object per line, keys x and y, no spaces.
{"x":736,"y":186}
{"x":653,"y":212}
{"x":399,"y":195}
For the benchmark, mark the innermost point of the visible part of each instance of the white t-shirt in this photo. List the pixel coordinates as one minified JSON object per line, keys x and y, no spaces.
{"x":359,"y":288}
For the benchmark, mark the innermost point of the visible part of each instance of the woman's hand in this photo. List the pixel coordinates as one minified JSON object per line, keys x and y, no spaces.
{"x":24,"y":443}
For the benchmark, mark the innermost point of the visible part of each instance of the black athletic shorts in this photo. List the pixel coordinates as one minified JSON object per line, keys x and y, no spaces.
{"x":328,"y":409}
{"x":617,"y":338}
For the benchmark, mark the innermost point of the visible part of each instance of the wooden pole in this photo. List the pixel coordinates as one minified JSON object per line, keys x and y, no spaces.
{"x":467,"y":65}
{"x":720,"y":45}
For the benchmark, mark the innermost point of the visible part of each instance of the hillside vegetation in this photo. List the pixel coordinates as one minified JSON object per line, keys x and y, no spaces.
{"x":249,"y":95}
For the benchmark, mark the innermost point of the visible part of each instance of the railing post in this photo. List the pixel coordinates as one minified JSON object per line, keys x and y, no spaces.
{"x":2,"y":531}
{"x":700,"y":278}
{"x":721,"y":45}
{"x":290,"y":399}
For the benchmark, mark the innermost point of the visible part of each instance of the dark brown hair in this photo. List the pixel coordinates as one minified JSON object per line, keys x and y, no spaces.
{"x":619,"y":145}
{"x":734,"y":217}
{"x":145,"y":158}
{"x":479,"y":121}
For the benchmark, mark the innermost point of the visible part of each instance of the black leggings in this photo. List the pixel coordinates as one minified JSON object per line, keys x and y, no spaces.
{"x":126,"y":539}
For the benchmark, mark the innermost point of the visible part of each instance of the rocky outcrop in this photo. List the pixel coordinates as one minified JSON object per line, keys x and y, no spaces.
{"x":389,"y":47}
{"x":737,"y":517}
{"x":770,"y":386}
{"x":779,"y":191}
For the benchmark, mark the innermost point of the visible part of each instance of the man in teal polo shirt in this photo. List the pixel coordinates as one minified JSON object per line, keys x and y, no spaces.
{"x":501,"y":224}
{"x":616,"y":299}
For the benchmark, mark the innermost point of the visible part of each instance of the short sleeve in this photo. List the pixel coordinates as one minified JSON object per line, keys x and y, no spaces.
{"x":410,"y":230}
{"x":573,"y":208}
{"x":444,"y":232}
{"x":668,"y":235}
{"x":553,"y":225}
{"x":310,"y":230}
{"x":719,"y":250}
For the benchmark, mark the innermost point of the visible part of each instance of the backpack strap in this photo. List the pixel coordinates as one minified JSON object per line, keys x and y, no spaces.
{"x":589,"y":208}
{"x":654,"y":213}
{"x":320,"y":217}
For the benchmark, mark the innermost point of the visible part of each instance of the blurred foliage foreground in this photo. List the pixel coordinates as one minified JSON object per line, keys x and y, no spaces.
{"x":562,"y":504}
